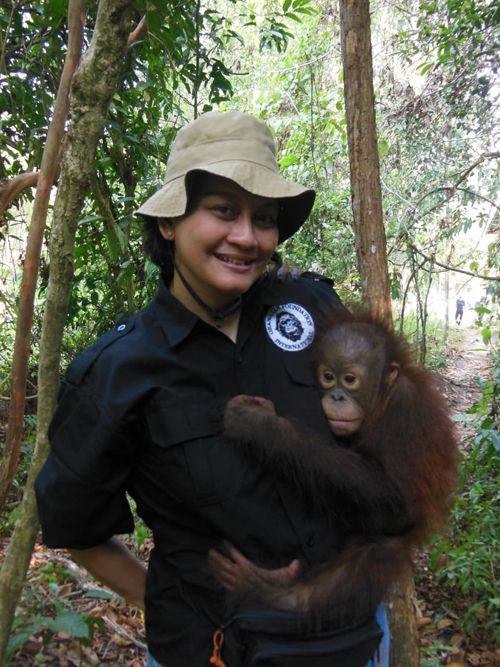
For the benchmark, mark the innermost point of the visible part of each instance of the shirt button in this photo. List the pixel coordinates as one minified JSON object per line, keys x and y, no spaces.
{"x":122,"y":327}
{"x":239,"y":359}
{"x":310,"y":541}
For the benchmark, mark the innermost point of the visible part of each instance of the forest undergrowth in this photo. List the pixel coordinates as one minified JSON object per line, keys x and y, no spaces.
{"x":66,"y":619}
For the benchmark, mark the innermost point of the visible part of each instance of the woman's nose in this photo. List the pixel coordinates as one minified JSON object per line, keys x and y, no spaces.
{"x":242,"y":231}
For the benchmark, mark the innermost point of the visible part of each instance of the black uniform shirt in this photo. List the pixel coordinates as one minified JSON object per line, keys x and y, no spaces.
{"x":140,"y":412}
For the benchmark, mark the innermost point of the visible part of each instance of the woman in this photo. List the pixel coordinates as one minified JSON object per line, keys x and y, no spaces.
{"x":140,"y":411}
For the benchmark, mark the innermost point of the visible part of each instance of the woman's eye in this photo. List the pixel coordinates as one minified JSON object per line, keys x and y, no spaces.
{"x":224,"y":211}
{"x":267,"y":220}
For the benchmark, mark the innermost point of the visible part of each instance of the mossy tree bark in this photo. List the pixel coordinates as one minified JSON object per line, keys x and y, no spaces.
{"x":369,"y":228}
{"x":92,"y":90}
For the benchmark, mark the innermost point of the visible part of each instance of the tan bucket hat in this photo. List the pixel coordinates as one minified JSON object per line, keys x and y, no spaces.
{"x":236,"y":146}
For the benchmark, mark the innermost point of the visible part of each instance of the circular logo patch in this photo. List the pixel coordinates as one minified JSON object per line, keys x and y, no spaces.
{"x":290,"y":327}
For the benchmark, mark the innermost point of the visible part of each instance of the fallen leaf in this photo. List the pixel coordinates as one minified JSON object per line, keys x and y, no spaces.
{"x":456,"y":640}
{"x":121,"y":641}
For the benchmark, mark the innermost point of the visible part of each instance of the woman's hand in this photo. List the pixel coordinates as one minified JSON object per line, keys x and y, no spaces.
{"x":278,"y":588}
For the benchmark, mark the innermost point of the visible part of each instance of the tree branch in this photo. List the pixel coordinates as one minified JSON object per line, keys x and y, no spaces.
{"x":452,"y":268}
{"x":138,"y":32}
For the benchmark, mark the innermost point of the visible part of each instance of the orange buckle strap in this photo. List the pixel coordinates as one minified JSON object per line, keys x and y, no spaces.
{"x":218,"y":641}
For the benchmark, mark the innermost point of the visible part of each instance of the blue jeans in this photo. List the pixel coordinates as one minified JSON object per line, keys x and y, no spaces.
{"x":379,"y":660}
{"x":151,"y":662}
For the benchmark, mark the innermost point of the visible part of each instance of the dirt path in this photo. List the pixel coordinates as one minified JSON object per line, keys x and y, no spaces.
{"x":467,"y":361}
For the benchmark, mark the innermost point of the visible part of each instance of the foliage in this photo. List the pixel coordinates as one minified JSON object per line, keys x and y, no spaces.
{"x":432,"y":655}
{"x":473,"y":556}
{"x":51,"y":578}
{"x":77,"y":625}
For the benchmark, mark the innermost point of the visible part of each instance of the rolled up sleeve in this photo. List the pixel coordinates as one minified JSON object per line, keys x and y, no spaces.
{"x":81,"y":490}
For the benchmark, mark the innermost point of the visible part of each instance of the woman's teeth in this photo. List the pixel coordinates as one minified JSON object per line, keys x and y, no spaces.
{"x":231,"y":260}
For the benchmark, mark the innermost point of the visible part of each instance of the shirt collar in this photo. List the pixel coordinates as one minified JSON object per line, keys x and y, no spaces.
{"x":176,"y":320}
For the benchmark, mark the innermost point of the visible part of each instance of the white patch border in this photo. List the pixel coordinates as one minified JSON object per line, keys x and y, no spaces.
{"x":305,"y":320}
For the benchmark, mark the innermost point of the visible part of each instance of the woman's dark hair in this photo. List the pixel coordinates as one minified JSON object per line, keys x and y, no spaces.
{"x":154,"y":246}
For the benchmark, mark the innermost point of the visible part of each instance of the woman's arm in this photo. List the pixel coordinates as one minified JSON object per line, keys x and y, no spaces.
{"x":114,"y":566}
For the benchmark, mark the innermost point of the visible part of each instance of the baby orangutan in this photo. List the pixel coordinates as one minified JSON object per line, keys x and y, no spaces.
{"x":386,"y":475}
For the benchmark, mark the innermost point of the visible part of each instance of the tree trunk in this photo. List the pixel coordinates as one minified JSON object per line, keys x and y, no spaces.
{"x":446,"y":323}
{"x":366,"y":194}
{"x":49,"y":170}
{"x":367,"y":209}
{"x":93,"y":87}
{"x":404,"y":651}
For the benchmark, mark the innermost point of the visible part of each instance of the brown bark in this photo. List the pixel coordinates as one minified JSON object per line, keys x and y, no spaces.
{"x":371,"y":251}
{"x":48,"y":170}
{"x":138,"y":32}
{"x":12,"y":188}
{"x":404,"y":651}
{"x":366,"y":194}
{"x":92,"y":91}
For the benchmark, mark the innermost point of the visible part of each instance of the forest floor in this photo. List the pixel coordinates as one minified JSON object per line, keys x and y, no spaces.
{"x":118,"y":630}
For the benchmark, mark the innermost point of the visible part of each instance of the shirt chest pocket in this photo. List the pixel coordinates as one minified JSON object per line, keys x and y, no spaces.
{"x":187,"y":453}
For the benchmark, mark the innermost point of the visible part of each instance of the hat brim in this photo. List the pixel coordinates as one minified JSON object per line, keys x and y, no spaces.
{"x":296,"y":201}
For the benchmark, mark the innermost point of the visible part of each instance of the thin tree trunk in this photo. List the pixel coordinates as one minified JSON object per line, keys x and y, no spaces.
{"x":426,"y":310}
{"x":404,"y":651}
{"x":446,"y":324}
{"x":366,"y":193}
{"x":92,"y":91}
{"x":49,"y":169}
{"x":371,"y":251}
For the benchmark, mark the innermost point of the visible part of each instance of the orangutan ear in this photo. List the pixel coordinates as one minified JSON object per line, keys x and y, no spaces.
{"x":394,"y":374}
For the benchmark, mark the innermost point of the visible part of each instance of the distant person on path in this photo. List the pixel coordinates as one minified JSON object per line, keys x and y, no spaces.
{"x":460,"y":310}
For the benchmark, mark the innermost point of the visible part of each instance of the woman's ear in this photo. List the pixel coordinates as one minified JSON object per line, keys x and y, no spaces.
{"x":166,"y":228}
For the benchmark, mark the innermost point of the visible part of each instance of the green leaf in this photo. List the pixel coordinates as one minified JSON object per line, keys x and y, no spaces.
{"x":495,"y":440}
{"x":98,"y":594}
{"x":383,"y":148}
{"x":154,"y":22}
{"x":16,"y":642}
{"x":71,"y":623}
{"x":90,"y":218}
{"x":486,"y":333}
{"x":288,"y":160}
{"x":426,"y":68}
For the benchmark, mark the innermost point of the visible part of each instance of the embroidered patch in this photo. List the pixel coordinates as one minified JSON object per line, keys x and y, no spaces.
{"x":290,"y":327}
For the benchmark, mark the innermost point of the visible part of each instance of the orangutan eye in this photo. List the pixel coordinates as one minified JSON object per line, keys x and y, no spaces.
{"x":349,"y":378}
{"x":328,"y":377}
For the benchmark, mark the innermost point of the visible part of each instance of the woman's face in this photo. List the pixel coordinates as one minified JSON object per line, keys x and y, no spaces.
{"x":225,"y":243}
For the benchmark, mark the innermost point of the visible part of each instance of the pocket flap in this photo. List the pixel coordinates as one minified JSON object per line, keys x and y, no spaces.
{"x":174,"y":424}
